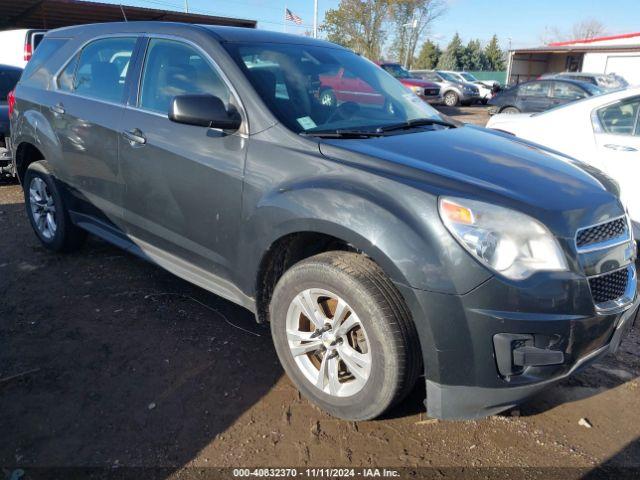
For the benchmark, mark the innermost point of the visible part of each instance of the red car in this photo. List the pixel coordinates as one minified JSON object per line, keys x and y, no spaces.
{"x":343,"y":86}
{"x":426,"y":90}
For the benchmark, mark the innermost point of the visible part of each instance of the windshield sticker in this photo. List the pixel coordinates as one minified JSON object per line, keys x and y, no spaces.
{"x":306,"y":122}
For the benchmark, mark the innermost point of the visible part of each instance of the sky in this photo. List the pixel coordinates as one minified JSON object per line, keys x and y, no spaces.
{"x":516,"y":22}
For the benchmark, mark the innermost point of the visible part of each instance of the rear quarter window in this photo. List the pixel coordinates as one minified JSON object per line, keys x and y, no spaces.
{"x":40,"y":69}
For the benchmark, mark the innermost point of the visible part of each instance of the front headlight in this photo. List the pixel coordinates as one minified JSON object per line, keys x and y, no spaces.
{"x":415,"y":89}
{"x":508,"y":242}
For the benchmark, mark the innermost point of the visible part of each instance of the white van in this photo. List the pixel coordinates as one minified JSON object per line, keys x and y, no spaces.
{"x":18,"y":45}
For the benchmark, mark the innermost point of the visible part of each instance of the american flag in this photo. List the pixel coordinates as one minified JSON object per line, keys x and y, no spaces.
{"x":292,"y":17}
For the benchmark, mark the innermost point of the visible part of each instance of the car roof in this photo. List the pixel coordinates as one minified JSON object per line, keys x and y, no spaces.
{"x":219,"y":32}
{"x":554,"y":79}
{"x":10,"y":67}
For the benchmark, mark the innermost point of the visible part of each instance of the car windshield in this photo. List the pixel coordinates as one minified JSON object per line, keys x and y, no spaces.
{"x":448,"y":77}
{"x":593,"y":89}
{"x":396,"y":70}
{"x":468,"y":77}
{"x":314,"y":89}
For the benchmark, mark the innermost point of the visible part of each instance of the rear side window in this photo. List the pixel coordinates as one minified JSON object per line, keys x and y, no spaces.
{"x":102,"y":69}
{"x":173,"y":68}
{"x":36,"y":71}
{"x":620,"y":118}
{"x":567,"y":91}
{"x":534,"y":89}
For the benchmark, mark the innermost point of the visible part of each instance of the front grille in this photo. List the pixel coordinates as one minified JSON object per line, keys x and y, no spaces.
{"x":609,"y":286}
{"x":601,"y":233}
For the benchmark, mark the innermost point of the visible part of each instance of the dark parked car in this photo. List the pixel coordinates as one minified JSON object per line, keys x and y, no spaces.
{"x":606,"y":81}
{"x":379,"y":243}
{"x":540,"y":95}
{"x":9,"y":76}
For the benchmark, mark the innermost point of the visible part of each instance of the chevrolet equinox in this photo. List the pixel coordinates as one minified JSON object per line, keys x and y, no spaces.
{"x":380,"y":240}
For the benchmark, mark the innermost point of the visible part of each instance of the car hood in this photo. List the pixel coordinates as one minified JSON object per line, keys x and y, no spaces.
{"x":506,"y":121}
{"x":416,"y":82}
{"x":475,"y":162}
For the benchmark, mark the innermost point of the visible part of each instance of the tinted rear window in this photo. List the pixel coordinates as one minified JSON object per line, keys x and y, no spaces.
{"x":35,"y":71}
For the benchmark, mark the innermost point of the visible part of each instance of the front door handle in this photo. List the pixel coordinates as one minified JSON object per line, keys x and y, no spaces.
{"x":135,"y":136}
{"x":620,"y":148}
{"x":57,"y":109}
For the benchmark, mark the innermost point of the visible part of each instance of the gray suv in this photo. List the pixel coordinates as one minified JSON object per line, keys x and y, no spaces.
{"x":380,"y":241}
{"x":452,"y":90}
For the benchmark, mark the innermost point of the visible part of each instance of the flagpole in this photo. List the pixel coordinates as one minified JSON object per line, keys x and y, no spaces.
{"x":315,"y":18}
{"x":284,"y":23}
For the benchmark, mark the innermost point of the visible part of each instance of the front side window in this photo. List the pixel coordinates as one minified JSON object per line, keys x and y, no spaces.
{"x":396,"y":70}
{"x":102,"y":69}
{"x":534,"y":89}
{"x":328,"y":89}
{"x":620,"y":118}
{"x":174,"y":68}
{"x":567,"y":91}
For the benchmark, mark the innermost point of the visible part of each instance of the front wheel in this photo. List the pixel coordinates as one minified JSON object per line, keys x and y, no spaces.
{"x":344,"y":335}
{"x":510,"y":110}
{"x":451,"y":99}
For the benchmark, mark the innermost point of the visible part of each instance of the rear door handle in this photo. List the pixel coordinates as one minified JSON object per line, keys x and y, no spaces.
{"x":135,"y":136}
{"x":620,"y":148}
{"x":57,"y":109}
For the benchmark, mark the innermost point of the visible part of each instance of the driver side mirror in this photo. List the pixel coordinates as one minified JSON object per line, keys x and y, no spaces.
{"x":203,"y":111}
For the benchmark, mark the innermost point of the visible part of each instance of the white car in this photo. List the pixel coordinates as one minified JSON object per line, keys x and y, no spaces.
{"x":484,"y":86}
{"x":603,"y":131}
{"x":18,"y":45}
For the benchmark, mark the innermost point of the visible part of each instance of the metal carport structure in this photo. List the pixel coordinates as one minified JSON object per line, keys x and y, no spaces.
{"x":50,"y":14}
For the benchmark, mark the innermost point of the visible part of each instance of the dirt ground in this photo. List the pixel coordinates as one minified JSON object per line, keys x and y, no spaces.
{"x":109,"y":362}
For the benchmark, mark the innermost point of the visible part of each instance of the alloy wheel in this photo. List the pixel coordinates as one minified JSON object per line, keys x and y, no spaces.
{"x":328,"y":342}
{"x":43,"y":208}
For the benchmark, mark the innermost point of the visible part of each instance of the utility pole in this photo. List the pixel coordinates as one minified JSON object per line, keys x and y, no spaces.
{"x":186,"y":6}
{"x":315,"y":18}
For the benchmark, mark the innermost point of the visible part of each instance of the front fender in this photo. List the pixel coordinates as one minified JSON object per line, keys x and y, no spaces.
{"x":396,"y":225}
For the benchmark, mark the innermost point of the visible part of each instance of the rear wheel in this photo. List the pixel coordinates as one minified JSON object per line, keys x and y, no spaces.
{"x":45,"y":208}
{"x":451,"y":99}
{"x":510,"y":110}
{"x":344,"y":335}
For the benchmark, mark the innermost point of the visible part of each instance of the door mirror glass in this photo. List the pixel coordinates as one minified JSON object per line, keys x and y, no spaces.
{"x":203,"y":111}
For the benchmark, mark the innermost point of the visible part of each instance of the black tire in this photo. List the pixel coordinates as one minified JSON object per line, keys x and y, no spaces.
{"x":328,"y":98}
{"x":451,"y":98}
{"x":396,"y":360}
{"x":484,"y":101}
{"x":67,"y":237}
{"x":510,"y":110}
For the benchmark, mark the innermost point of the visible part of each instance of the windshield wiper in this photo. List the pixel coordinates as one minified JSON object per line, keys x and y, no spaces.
{"x":345,"y":133}
{"x":417,"y":122}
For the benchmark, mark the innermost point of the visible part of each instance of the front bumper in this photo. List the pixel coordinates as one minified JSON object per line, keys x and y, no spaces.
{"x":458,"y":338}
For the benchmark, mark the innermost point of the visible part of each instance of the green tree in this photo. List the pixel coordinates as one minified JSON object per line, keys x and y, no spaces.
{"x":428,"y":56}
{"x":359,"y":25}
{"x":412,"y":20}
{"x":473,"y":58}
{"x":494,"y":55}
{"x":451,"y":58}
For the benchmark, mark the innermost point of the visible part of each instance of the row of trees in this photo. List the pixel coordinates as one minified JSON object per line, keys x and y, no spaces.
{"x":365,"y":26}
{"x":456,"y":56}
